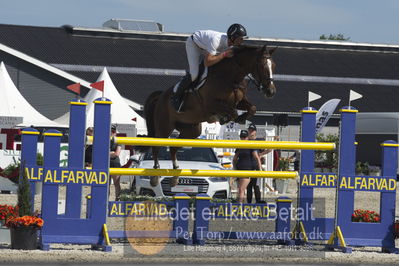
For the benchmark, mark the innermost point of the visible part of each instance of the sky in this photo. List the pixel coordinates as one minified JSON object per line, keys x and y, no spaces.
{"x":366,"y":21}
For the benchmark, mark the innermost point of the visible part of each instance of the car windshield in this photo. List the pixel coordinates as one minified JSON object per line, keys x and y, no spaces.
{"x":186,"y":154}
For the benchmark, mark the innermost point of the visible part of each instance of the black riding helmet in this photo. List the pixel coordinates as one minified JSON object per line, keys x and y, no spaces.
{"x":236,"y":30}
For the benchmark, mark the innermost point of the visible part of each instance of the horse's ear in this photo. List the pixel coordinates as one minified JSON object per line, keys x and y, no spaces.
{"x":272,"y":50}
{"x":264,"y":48}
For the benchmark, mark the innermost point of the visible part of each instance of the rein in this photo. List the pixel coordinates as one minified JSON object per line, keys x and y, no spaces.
{"x":258,"y":83}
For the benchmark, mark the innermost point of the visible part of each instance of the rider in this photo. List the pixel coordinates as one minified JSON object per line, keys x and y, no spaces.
{"x":212,"y":47}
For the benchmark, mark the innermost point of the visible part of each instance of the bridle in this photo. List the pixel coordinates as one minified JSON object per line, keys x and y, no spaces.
{"x":258,"y":83}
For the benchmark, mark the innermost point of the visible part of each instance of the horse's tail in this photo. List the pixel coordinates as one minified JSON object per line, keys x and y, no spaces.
{"x":149,"y":108}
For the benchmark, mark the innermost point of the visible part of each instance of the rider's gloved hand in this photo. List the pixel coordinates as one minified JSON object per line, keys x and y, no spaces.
{"x":228,"y":53}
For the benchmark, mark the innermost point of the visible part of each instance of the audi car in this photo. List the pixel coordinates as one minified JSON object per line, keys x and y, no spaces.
{"x":188,"y":158}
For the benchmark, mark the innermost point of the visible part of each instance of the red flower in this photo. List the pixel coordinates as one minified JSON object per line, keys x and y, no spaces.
{"x":360,"y":215}
{"x":7,"y":211}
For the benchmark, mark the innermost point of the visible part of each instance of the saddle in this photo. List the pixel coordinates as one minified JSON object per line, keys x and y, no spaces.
{"x":194,"y":86}
{"x":200,"y":80}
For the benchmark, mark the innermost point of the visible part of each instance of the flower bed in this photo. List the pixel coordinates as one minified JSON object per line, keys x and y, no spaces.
{"x":7,"y":212}
{"x":365,"y":216}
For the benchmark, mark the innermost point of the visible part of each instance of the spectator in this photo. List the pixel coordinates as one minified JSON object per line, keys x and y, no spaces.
{"x":89,"y":148}
{"x":296,"y":157}
{"x":242,"y":161}
{"x":255,"y":166}
{"x":253,"y":184}
{"x":114,"y":161}
{"x":276,"y":155}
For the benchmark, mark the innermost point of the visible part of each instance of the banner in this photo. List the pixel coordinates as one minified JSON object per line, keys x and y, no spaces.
{"x":325,"y":113}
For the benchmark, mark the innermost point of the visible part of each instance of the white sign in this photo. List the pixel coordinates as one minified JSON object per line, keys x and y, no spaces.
{"x":10,"y":121}
{"x":128,"y":129}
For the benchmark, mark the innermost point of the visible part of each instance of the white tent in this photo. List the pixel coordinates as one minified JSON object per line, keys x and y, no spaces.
{"x":13,"y":104}
{"x":121,"y":112}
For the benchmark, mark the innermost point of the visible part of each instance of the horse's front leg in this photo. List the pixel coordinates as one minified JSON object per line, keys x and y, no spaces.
{"x":173,"y":155}
{"x":189,"y":131}
{"x":226,"y":112}
{"x":250,"y":109}
{"x":154,"y":180}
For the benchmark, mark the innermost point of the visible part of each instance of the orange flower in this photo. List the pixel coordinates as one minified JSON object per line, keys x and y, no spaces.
{"x":24,"y":221}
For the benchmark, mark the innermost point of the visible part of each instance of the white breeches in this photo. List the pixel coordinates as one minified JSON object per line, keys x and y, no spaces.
{"x":194,"y":57}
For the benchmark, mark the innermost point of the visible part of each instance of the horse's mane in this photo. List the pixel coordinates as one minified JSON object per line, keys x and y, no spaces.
{"x":245,"y":48}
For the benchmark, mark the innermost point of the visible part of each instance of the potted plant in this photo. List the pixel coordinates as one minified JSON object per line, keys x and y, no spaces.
{"x":396,"y":229}
{"x":24,"y":226}
{"x":362,"y":168}
{"x":284,"y":163}
{"x":12,"y":170}
{"x":365,"y":216}
{"x":6,"y":212}
{"x":327,"y":160}
{"x":282,"y":184}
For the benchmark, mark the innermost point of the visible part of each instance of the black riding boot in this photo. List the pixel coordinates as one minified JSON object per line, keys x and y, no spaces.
{"x":181,"y":88}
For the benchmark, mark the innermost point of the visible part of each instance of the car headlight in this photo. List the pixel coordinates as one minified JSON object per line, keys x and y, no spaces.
{"x":218,"y":179}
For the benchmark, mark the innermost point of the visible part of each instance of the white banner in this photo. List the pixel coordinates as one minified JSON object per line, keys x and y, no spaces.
{"x":325,"y":113}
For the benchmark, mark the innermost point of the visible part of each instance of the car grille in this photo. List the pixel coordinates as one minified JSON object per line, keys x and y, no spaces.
{"x":222,"y":194}
{"x":202,"y":185}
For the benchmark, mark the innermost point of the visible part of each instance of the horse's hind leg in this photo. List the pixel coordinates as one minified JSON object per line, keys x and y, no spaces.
{"x":154,"y":180}
{"x":173,"y":155}
{"x":186,"y":132}
{"x":161,"y":132}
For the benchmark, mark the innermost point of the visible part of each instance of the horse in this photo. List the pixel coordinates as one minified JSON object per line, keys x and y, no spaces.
{"x":217,"y":99}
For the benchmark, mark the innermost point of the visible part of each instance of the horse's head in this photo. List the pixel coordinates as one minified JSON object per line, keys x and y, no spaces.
{"x":263,"y":71}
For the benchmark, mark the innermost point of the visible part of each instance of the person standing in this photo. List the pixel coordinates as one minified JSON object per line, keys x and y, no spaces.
{"x":242,"y":160}
{"x":114,"y":162}
{"x":89,"y":148}
{"x":256,"y":165}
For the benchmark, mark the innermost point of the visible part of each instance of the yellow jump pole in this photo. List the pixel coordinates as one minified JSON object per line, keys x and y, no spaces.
{"x":246,"y":144}
{"x":211,"y":173}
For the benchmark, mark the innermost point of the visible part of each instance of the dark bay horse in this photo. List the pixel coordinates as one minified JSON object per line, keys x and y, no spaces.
{"x":217,"y":99}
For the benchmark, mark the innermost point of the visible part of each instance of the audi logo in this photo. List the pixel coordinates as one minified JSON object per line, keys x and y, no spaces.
{"x":185,"y":181}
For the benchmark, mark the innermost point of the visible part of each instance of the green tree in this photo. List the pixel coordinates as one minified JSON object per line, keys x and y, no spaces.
{"x":335,"y":37}
{"x":24,"y":196}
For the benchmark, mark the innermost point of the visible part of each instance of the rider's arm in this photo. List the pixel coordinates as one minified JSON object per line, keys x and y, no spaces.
{"x":210,"y":59}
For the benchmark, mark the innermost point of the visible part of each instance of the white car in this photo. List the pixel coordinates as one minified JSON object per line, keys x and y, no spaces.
{"x":188,"y":158}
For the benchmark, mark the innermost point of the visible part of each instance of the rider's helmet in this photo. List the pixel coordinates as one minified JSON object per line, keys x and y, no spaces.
{"x":235,"y":31}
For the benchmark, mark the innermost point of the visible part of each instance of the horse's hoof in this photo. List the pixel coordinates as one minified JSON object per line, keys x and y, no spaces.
{"x":174,"y":181}
{"x":154,"y":181}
